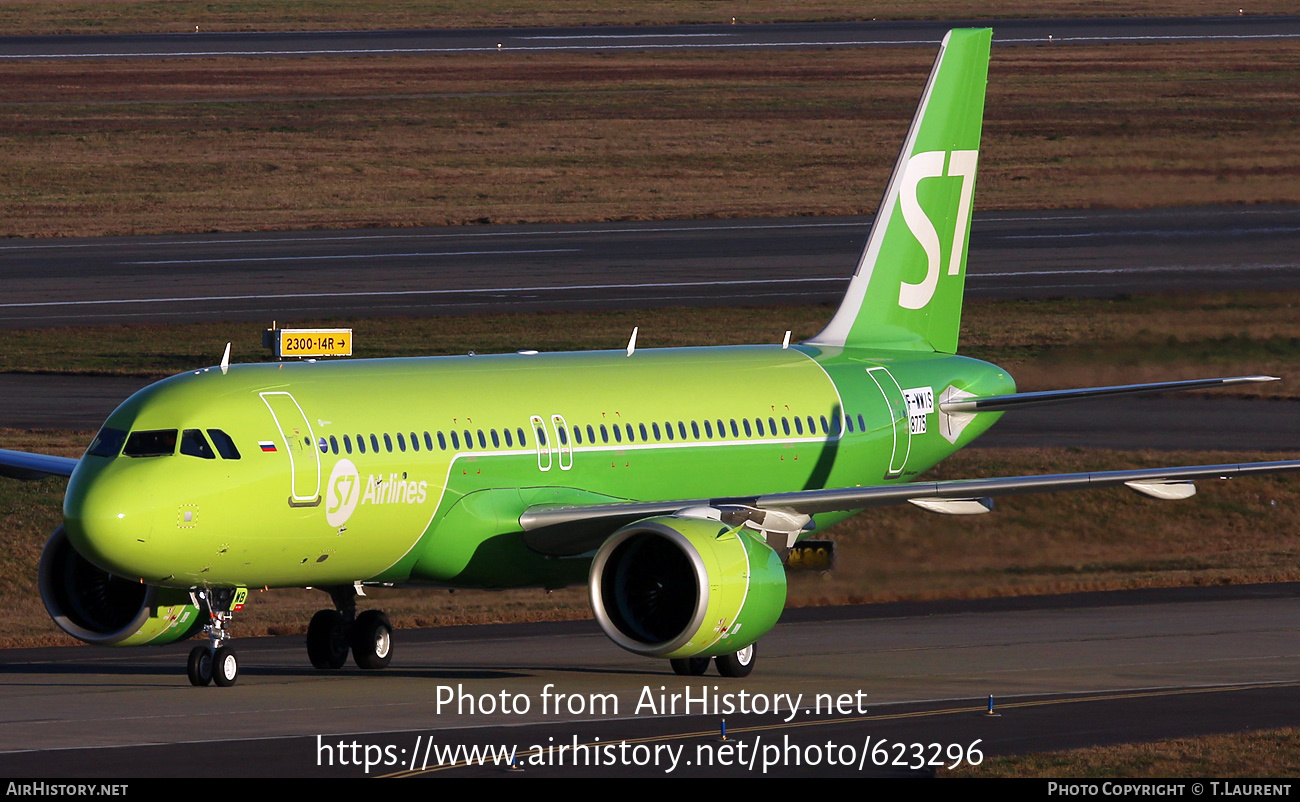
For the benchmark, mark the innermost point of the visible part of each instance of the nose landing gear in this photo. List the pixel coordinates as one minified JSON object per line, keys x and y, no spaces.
{"x":217,"y":661}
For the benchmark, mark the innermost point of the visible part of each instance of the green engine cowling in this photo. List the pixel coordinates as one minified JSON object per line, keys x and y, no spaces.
{"x":678,"y":586}
{"x":99,"y":608}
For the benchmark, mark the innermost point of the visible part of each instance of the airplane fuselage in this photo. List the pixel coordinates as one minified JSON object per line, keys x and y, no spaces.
{"x":416,"y":471}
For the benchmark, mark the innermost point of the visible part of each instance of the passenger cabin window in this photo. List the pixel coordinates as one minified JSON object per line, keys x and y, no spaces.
{"x":108,"y":443}
{"x":152,"y":443}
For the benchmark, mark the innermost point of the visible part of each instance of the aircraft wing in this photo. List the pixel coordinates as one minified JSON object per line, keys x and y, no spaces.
{"x":567,"y":530}
{"x":22,"y":465}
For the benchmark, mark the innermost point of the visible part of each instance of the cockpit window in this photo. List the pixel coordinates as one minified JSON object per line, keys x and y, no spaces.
{"x":108,"y":443}
{"x":194,"y":444}
{"x":154,"y":443}
{"x":225,"y":445}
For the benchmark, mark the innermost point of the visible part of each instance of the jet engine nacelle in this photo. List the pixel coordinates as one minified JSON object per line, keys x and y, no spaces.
{"x":99,"y":608}
{"x":678,"y":586}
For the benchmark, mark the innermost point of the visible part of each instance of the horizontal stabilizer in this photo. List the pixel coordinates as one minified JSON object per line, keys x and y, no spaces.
{"x":995,"y":403}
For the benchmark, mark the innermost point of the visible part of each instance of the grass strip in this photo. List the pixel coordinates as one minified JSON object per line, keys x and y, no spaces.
{"x":1048,"y":343}
{"x":145,"y":146}
{"x":1262,"y":753}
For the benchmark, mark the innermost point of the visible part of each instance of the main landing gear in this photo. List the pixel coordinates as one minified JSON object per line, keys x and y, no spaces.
{"x":217,"y":661}
{"x":332,"y":633}
{"x":736,"y":664}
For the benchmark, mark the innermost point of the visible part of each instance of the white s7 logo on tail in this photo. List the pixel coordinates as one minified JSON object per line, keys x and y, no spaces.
{"x":930,"y":165}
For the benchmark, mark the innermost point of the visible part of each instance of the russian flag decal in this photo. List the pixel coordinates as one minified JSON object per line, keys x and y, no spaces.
{"x":267,"y":445}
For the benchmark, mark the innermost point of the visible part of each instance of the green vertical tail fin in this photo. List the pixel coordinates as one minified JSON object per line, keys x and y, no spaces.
{"x":907,"y":290}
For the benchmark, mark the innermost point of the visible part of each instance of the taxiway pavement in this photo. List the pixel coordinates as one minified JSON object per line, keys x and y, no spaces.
{"x":1056,"y":32}
{"x":471,"y":269}
{"x":1063,"y":671}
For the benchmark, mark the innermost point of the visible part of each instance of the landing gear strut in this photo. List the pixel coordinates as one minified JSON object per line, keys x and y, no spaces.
{"x":217,"y":661}
{"x":332,"y":632}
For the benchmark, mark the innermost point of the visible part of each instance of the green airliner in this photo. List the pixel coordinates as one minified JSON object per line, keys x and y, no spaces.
{"x":676,"y":483}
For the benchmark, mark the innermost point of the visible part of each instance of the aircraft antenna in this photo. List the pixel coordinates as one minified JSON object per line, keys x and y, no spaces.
{"x":225,"y":360}
{"x":631,"y":343}
{"x":786,"y":342}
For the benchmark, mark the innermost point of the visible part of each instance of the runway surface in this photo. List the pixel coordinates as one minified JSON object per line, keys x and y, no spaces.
{"x":1007,"y":32}
{"x":1063,"y":671}
{"x":461,"y":270}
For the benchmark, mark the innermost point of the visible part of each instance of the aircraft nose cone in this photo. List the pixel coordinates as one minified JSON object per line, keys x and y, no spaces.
{"x":108,"y":517}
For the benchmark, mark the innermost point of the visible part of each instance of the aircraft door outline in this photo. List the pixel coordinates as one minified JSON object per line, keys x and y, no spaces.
{"x":898,"y":412}
{"x":562,"y":444}
{"x":300,"y":445}
{"x":538,"y":425}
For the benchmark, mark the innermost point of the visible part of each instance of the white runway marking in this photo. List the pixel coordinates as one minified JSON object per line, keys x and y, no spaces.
{"x":395,"y":235}
{"x":390,"y":293}
{"x":348,"y":256}
{"x":640,"y":46}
